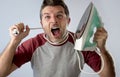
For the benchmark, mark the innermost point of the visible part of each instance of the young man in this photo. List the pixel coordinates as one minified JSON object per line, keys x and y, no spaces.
{"x":52,"y":53}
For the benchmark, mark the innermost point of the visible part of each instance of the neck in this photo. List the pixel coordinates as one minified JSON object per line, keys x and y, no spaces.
{"x":58,"y":41}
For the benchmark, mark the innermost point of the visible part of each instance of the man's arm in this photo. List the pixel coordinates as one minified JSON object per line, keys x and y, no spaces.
{"x":6,"y":58}
{"x":108,"y":70}
{"x":100,"y":37}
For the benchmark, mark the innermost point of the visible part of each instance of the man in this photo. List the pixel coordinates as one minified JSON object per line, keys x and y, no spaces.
{"x":52,"y":53}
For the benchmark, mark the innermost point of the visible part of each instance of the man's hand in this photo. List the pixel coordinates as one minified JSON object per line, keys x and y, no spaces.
{"x":100,"y":37}
{"x":23,"y":32}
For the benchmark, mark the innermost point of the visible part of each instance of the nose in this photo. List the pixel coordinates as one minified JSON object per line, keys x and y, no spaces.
{"x":53,"y":19}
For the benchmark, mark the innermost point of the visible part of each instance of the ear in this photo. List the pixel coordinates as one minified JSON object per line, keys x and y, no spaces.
{"x":41,"y":24}
{"x":68,"y":20}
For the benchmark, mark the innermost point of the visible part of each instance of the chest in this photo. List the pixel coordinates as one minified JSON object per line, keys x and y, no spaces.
{"x":61,"y":60}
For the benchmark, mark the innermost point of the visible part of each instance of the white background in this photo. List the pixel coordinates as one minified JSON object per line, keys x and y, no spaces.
{"x":27,"y":11}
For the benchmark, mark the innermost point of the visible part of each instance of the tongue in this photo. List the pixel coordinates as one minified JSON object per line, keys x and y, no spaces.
{"x":56,"y":32}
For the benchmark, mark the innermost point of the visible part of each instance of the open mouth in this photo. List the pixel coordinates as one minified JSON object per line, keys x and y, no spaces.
{"x":55,"y":31}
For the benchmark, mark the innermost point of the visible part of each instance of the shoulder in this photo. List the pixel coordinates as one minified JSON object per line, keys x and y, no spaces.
{"x":71,"y":37}
{"x":90,"y":55}
{"x":92,"y":59}
{"x":39,"y":39}
{"x":32,"y":43}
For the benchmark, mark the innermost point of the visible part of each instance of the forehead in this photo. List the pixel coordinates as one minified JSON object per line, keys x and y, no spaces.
{"x":52,"y":10}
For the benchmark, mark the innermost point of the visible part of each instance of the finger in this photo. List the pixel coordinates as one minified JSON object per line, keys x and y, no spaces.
{"x":26,"y":32}
{"x":101,"y":29}
{"x":12,"y":29}
{"x":20,"y":26}
{"x":27,"y":29}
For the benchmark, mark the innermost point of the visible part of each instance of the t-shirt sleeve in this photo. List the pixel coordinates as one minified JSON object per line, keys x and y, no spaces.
{"x":23,"y":53}
{"x":92,"y":59}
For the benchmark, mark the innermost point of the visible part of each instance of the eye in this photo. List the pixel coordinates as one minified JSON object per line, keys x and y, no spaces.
{"x":59,"y":16}
{"x":47,"y":17}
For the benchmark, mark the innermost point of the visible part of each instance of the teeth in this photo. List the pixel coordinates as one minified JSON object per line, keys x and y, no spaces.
{"x":54,"y":27}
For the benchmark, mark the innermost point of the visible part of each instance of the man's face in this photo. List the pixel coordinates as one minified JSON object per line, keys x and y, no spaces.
{"x":54,"y":22}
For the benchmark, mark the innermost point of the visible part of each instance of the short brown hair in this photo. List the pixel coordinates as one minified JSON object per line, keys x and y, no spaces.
{"x":54,"y":3}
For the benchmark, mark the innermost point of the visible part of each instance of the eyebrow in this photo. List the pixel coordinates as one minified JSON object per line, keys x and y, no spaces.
{"x":45,"y":14}
{"x":57,"y":13}
{"x":61,"y":12}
